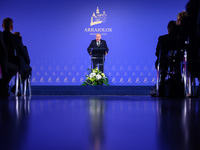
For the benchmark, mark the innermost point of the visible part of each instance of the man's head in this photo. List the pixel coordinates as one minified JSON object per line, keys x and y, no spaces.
{"x":180,"y":17}
{"x":98,"y":37}
{"x":7,"y":24}
{"x":171,"y":27}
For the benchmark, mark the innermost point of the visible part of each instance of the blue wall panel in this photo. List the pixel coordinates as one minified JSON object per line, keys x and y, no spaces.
{"x":57,"y":36}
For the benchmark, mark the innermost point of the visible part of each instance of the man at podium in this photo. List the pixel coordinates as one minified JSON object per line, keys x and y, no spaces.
{"x":98,"y":50}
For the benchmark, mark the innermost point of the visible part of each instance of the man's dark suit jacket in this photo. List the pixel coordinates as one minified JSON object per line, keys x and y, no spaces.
{"x":93,"y":45}
{"x":3,"y":55}
{"x":16,"y":51}
{"x":11,"y":45}
{"x":165,"y":44}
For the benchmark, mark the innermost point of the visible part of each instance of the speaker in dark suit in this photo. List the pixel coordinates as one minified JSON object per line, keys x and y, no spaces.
{"x":98,"y":45}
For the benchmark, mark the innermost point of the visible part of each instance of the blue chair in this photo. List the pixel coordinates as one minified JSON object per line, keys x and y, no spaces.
{"x":23,"y":86}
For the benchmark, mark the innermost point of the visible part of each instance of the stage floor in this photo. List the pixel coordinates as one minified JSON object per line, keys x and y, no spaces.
{"x":99,"y":123}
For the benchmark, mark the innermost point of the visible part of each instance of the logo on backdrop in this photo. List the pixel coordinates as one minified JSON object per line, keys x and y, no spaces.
{"x":97,"y":19}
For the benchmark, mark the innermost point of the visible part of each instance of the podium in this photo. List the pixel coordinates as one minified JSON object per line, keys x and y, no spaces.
{"x":98,"y":55}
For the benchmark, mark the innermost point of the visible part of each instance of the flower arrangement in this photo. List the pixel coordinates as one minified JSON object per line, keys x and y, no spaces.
{"x":96,"y":77}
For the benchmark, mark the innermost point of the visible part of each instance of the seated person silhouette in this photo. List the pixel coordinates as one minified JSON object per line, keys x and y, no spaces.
{"x":165,"y":44}
{"x":14,"y":55}
{"x":12,"y":46}
{"x":24,"y":66}
{"x":98,"y":44}
{"x":190,"y":30}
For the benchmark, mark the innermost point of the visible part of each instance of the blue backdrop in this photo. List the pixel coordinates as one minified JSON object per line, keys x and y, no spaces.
{"x":58,"y":32}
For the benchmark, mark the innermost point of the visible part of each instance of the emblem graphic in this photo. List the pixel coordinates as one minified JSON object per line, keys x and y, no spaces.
{"x":98,"y":18}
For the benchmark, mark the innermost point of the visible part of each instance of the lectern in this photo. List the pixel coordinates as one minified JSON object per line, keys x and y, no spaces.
{"x":98,"y":54}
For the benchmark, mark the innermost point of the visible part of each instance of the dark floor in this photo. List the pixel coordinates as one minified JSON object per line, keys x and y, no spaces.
{"x":99,"y":123}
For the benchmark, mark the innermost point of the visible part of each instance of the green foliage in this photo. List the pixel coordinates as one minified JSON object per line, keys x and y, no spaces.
{"x":96,"y":77}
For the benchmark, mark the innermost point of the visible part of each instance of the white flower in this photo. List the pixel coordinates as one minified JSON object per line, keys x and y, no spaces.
{"x":98,"y":77}
{"x":92,"y":74}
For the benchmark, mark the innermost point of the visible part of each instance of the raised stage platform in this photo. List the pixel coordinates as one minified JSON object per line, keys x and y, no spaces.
{"x":91,"y":90}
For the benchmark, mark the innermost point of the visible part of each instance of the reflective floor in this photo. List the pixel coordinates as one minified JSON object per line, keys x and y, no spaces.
{"x":99,"y":123}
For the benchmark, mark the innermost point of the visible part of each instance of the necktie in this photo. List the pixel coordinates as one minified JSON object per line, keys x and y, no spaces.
{"x":98,"y":44}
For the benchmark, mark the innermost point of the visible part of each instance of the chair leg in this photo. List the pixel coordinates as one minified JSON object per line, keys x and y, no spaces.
{"x":29,"y":85}
{"x":185,"y":75}
{"x":25,"y":87}
{"x":189,"y":85}
{"x":21,"y":84}
{"x":17,"y":84}
{"x":194,"y":86}
{"x":185,"y":80}
{"x":158,"y":80}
